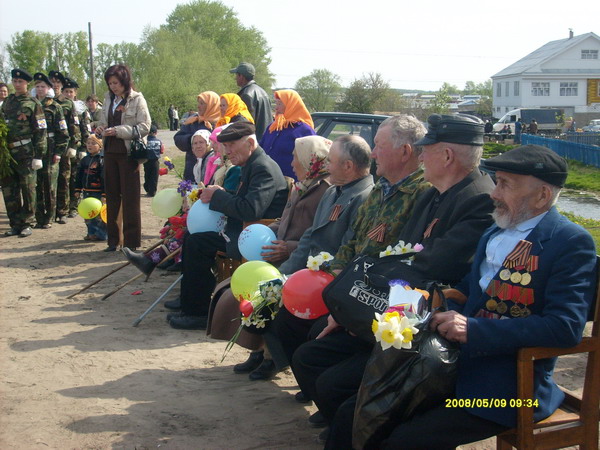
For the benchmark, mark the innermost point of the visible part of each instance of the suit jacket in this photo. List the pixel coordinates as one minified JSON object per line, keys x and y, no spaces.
{"x":463,"y":214}
{"x":563,"y":288}
{"x":262,"y":194}
{"x":325,"y":235}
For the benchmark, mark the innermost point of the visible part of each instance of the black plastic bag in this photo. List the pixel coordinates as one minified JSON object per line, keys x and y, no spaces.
{"x":397,"y":384}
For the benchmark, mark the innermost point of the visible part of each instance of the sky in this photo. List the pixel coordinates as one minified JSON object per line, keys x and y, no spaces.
{"x":414,"y":45}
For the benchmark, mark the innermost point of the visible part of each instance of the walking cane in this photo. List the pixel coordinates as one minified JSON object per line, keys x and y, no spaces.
{"x":137,"y":321}
{"x":121,"y":286}
{"x":111,"y":272}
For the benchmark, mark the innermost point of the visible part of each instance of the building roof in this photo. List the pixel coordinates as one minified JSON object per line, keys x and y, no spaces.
{"x":542,"y":54}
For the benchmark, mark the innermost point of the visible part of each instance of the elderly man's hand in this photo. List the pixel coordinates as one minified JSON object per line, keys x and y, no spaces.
{"x":331,"y":325}
{"x":278,"y":252}
{"x":451,"y":325}
{"x":208,"y":192}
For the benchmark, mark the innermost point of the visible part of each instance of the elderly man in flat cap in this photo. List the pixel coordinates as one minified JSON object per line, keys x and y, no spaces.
{"x":547,"y":263}
{"x":262,"y":194}
{"x":447,"y":219}
{"x":255,"y":97}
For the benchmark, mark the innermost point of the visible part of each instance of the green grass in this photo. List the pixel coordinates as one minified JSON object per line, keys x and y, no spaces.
{"x":582,"y":177}
{"x":593,"y":226}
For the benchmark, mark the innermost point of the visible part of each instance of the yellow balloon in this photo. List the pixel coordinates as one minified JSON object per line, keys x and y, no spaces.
{"x":89,"y":207}
{"x":103,"y":214}
{"x":167,"y":203}
{"x":245,"y":279}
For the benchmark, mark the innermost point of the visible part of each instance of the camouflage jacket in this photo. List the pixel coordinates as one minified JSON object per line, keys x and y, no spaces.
{"x":96,"y":116}
{"x":25,"y":119}
{"x":58,"y":135}
{"x":84,"y":123}
{"x":390,"y":213}
{"x":72,"y":121}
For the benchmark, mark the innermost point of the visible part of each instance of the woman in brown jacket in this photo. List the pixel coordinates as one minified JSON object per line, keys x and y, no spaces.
{"x":123,"y":109}
{"x":309,"y":165}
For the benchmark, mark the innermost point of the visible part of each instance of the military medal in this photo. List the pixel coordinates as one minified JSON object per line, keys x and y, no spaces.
{"x":525,"y":279}
{"x":505,"y":274}
{"x":515,"y":277}
{"x":525,"y":312}
{"x":491,"y":304}
{"x":515,"y":311}
{"x":501,"y":308}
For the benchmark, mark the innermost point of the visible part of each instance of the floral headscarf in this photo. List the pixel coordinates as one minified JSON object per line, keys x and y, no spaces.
{"x":295,"y":111}
{"x":311,"y":152}
{"x":212,"y":113}
{"x":235,"y":106}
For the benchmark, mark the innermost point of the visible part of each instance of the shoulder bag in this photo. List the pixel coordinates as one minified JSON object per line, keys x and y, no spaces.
{"x":137,"y":148}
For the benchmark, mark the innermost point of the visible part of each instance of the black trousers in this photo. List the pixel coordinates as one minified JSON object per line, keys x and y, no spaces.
{"x":151,"y":176}
{"x":198,"y":282}
{"x":330,"y":369}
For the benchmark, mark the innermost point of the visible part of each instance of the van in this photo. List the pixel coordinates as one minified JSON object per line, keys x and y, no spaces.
{"x":548,"y":119}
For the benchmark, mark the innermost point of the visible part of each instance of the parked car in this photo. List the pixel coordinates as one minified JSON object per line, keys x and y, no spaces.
{"x":335,"y":124}
{"x":594,"y":125}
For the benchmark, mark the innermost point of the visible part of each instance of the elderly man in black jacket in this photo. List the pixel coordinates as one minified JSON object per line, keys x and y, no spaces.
{"x":262,"y":194}
{"x":255,"y":97}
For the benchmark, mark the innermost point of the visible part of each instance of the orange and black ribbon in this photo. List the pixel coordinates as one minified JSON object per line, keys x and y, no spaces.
{"x":337,"y":210}
{"x":519,"y":256}
{"x":378,"y":233}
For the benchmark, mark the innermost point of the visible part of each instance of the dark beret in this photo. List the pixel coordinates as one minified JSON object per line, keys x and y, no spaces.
{"x":236,"y":130}
{"x":70,"y":83}
{"x":458,"y":129}
{"x":535,"y":160}
{"x":39,"y":76}
{"x":56,"y":74}
{"x":21,"y":74}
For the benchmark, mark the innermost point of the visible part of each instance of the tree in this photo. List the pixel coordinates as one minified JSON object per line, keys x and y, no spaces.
{"x":439,"y":104}
{"x":29,"y":50}
{"x":365,"y":95}
{"x":450,"y":88}
{"x":319,"y":90}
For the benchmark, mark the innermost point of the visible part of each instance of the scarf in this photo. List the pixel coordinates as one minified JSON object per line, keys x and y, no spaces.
{"x":212,"y":113}
{"x":295,"y":111}
{"x":235,"y":106}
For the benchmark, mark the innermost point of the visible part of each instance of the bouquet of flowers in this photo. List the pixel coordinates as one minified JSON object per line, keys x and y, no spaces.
{"x":320,"y":262}
{"x":401,"y":249}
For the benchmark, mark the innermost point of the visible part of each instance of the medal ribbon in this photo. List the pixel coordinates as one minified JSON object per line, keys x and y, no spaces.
{"x":378,"y":233}
{"x":337,"y":210}
{"x":522,"y":295}
{"x":519,"y":255}
{"x":429,"y":229}
{"x":532,"y":263}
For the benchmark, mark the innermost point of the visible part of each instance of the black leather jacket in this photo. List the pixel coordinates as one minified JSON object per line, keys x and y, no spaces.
{"x":259,"y":104}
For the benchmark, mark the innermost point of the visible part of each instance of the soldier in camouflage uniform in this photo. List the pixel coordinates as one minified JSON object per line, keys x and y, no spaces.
{"x":27,"y":143}
{"x":58,"y":138}
{"x":64,"y":174}
{"x":83,"y":115}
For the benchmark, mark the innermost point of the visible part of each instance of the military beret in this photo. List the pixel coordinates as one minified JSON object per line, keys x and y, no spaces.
{"x":535,"y":160}
{"x":70,"y":83}
{"x":56,"y":74}
{"x":39,"y":76}
{"x":21,"y":74}
{"x":245,"y":69}
{"x":458,"y":129}
{"x":237,"y":130}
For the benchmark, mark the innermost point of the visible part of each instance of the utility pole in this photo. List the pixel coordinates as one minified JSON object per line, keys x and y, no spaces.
{"x":92,"y":74}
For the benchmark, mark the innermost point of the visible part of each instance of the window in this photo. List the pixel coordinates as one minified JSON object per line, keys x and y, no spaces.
{"x":568,"y":89}
{"x":506,"y":85}
{"x":498,"y":89}
{"x":516,"y":88}
{"x":589,"y":54}
{"x":540,"y":89}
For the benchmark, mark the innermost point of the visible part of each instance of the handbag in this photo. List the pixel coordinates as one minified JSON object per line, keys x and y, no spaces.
{"x":397,"y":384}
{"x":137,"y":148}
{"x":362,"y":289}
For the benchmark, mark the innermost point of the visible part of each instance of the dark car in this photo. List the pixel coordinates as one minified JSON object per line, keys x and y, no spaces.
{"x":335,"y":124}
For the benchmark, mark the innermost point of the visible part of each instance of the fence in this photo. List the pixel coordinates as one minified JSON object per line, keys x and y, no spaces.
{"x":582,"y":138}
{"x":587,"y":154}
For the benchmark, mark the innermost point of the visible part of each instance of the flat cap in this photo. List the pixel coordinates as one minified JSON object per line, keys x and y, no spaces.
{"x":39,"y":76}
{"x":535,"y":160}
{"x":21,"y":74}
{"x":458,"y":129}
{"x":70,"y":83}
{"x":245,"y":69}
{"x":56,"y":74}
{"x":237,"y":130}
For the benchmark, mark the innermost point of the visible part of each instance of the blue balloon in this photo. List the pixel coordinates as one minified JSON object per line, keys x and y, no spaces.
{"x":201,"y":218}
{"x":252,"y":239}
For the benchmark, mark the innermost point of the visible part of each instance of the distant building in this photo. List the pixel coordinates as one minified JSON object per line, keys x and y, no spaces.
{"x":560,"y":74}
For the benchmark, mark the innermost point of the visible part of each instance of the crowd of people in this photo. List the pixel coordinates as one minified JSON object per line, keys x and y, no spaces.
{"x":479,"y":236}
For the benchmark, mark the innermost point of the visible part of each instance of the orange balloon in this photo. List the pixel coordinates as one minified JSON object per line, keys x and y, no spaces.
{"x":302,"y":293}
{"x":103,"y":213}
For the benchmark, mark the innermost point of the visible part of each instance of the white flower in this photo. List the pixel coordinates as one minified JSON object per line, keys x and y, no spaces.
{"x":313,"y":263}
{"x":326,"y":256}
{"x":388,"y":251}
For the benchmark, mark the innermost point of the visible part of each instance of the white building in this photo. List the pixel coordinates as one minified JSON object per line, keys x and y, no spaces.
{"x":561,"y":74}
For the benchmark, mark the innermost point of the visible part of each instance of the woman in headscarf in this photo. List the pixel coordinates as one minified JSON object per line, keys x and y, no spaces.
{"x":309,"y":165}
{"x":292,"y":120}
{"x":233,"y":109}
{"x":208,"y":115}
{"x":201,"y":147}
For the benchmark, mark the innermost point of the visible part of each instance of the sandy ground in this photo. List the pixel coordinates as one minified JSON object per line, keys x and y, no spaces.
{"x":74,"y":373}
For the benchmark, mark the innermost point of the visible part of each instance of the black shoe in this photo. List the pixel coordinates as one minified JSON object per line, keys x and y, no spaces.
{"x":110,"y":248}
{"x":165,"y":265}
{"x":265,"y":371}
{"x":12,"y":232}
{"x":61,"y":220}
{"x":184,"y":322}
{"x":72,"y":214}
{"x":301,"y":397}
{"x":173,"y":315}
{"x":145,"y":265}
{"x":253,"y":361}
{"x":25,"y":232}
{"x":317,"y":420}
{"x":175,"y":267}
{"x":173,"y":305}
{"x":322,"y":437}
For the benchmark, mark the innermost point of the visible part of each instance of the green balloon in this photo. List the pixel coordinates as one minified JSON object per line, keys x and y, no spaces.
{"x":89,"y":207}
{"x":167,"y":203}
{"x":246,"y":278}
